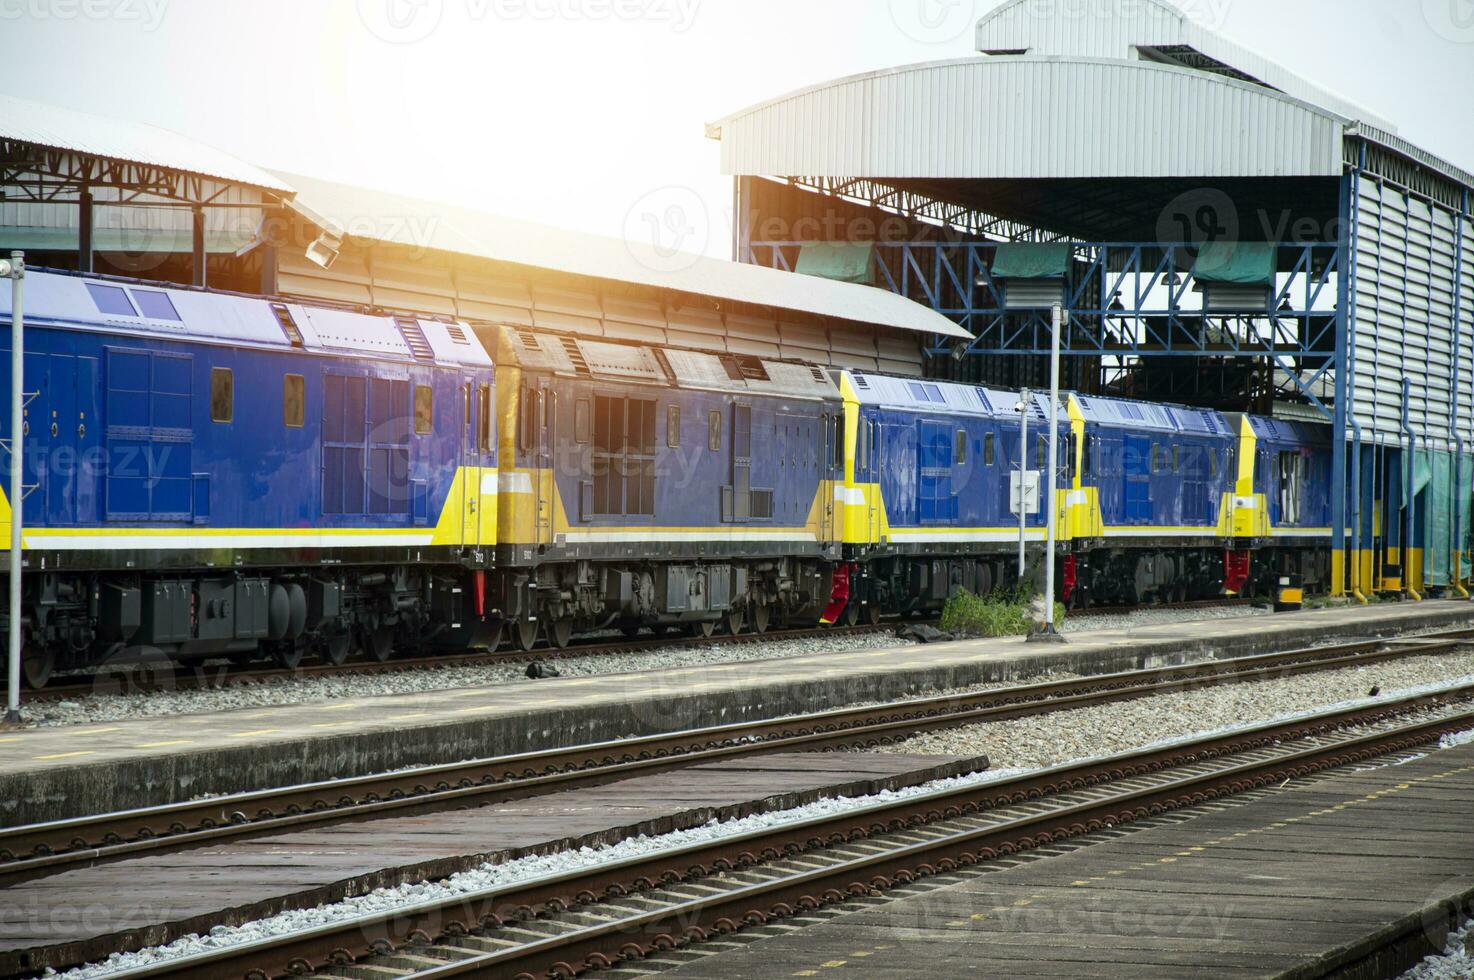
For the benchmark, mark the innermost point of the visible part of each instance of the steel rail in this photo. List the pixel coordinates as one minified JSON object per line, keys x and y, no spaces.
{"x":1149,"y":781}
{"x":64,"y":844}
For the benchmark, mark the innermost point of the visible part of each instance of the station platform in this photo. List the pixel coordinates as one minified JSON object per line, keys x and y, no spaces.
{"x":1354,"y":875}
{"x":60,"y":772}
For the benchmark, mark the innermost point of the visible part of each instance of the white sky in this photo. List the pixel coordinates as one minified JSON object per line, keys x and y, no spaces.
{"x":573,"y":111}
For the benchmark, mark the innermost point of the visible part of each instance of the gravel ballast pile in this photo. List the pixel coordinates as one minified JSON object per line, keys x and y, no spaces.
{"x":108,"y":706}
{"x":1456,"y":963}
{"x":1052,"y":739}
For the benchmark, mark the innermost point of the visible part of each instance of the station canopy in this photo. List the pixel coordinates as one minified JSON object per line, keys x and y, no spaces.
{"x":1083,"y":124}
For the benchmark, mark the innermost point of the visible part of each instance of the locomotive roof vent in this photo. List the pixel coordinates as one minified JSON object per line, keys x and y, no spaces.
{"x":575,"y":356}
{"x":744,"y":367}
{"x":457,"y":335}
{"x":288,"y":325}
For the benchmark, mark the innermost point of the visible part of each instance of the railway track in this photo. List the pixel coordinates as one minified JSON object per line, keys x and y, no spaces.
{"x":604,"y":915}
{"x":38,"y":850}
{"x":148,"y":677}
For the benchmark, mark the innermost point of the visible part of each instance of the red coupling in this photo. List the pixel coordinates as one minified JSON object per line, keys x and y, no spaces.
{"x":1067,"y":586}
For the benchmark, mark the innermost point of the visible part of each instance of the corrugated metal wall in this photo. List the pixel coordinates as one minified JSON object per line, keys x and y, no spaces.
{"x":498,"y":294}
{"x":1061,"y":119}
{"x":1405,"y":326}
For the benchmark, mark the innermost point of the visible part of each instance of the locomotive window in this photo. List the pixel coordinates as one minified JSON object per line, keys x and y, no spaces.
{"x":1041,"y":453}
{"x":1086,"y":456}
{"x":1156,"y":466}
{"x":961,"y":456}
{"x":673,"y":426}
{"x":483,"y":418}
{"x":837,"y":442}
{"x":293,"y":400}
{"x":581,"y":412}
{"x":988,"y":449}
{"x":466,"y":402}
{"x":424,"y":409}
{"x":1176,"y":459}
{"x":1212,"y":461}
{"x":714,"y":431}
{"x":624,"y":456}
{"x":222,"y":395}
{"x":862,"y":450}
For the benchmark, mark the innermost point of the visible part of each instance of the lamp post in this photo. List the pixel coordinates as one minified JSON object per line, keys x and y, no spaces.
{"x":15,"y":269}
{"x":1023,"y":474}
{"x":1049,"y":634}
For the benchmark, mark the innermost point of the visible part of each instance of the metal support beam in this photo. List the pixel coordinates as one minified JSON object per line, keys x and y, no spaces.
{"x":200,"y":267}
{"x":1338,"y":409}
{"x":84,"y":230}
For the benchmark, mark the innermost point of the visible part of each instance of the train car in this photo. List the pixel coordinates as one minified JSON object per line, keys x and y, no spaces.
{"x":652,"y":487}
{"x":1149,"y":501}
{"x":213,"y":474}
{"x":927,"y":495}
{"x":1290,"y":495}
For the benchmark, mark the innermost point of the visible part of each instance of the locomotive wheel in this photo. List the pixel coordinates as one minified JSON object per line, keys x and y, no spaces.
{"x":378,"y":644}
{"x":703,"y":630}
{"x":760,"y":617}
{"x":287,"y":655}
{"x":336,"y":648}
{"x":851,"y":615}
{"x":735,"y":620}
{"x":524,"y":634}
{"x":490,"y":636}
{"x":560,"y":633}
{"x":872,"y":614}
{"x":36,"y":665}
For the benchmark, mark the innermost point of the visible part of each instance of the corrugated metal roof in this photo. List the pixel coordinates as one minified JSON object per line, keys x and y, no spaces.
{"x":380,"y":216}
{"x":1034,"y":117}
{"x":1086,"y":30}
{"x":82,"y":132}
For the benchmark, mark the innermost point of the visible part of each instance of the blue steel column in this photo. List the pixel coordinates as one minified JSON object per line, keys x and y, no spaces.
{"x":1338,"y":432}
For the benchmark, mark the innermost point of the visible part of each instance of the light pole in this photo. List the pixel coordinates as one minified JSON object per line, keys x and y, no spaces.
{"x":15,"y":270}
{"x":1023,"y":475}
{"x":1047,"y":491}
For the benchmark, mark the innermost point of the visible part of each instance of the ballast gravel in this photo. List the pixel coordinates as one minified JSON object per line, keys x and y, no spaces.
{"x":1086,"y":622}
{"x":110,"y":705}
{"x":113,"y":702}
{"x":1456,"y":963}
{"x":1048,"y":740}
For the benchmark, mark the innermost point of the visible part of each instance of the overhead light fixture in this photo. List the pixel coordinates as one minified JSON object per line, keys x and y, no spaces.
{"x":1174,"y":280}
{"x":323,"y":250}
{"x":1116,"y":304}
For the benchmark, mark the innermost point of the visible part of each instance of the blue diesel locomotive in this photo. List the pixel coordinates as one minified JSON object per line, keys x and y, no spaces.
{"x":225,"y":475}
{"x":215,"y":474}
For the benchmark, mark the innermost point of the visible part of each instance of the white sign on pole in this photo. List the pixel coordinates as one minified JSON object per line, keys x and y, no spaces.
{"x":1031,"y":492}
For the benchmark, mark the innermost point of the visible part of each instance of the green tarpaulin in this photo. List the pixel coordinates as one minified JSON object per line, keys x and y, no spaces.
{"x":1241,"y":263}
{"x":842,"y":261}
{"x":1030,"y":260}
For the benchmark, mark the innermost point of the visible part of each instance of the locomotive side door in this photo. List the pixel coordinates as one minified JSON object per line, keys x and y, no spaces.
{"x":830,"y":472}
{"x":476,"y":456}
{"x":541,"y":407}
